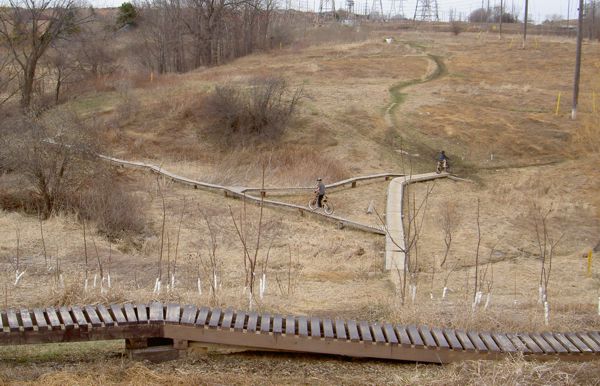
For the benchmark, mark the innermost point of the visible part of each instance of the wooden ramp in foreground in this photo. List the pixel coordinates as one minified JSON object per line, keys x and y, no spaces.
{"x":177,"y":325}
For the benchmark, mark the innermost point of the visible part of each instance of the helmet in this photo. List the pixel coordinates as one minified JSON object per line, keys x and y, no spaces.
{"x":319,"y":179}
{"x":443,"y":152}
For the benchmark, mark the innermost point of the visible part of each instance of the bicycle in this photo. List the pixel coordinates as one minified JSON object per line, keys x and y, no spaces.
{"x":325,"y":204}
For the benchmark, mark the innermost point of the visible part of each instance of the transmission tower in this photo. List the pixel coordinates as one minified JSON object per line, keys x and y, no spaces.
{"x":350,"y":8}
{"x":377,"y":10}
{"x":326,"y":9}
{"x":396,"y":8}
{"x":426,"y":10}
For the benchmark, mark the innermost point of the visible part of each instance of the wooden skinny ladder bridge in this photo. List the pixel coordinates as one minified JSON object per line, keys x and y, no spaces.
{"x":178,"y":325}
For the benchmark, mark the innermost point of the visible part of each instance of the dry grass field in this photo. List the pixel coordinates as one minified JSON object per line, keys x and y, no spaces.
{"x":492,"y":108}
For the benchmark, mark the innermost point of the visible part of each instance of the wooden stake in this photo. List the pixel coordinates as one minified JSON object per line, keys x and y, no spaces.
{"x":557,"y":103}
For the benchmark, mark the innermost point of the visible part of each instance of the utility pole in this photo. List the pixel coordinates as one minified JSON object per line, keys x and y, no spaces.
{"x":526,"y":21}
{"x":577,"y":62}
{"x":593,"y":29}
{"x":501,"y":15}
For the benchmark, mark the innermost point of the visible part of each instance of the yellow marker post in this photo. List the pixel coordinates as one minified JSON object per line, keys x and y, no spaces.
{"x":536,"y":43}
{"x":557,"y":104}
{"x":151,"y":76}
{"x":594,"y":109}
{"x":590,"y":258}
{"x":511,"y":42}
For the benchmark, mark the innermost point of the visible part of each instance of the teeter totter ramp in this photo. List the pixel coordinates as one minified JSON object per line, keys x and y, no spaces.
{"x":183,"y":324}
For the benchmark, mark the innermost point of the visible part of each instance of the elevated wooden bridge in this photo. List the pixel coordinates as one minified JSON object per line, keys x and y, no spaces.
{"x":177,"y":325}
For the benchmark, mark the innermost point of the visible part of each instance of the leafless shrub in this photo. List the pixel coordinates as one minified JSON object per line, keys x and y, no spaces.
{"x":51,"y":153}
{"x":456,"y":27}
{"x":259,"y":112}
{"x":115,"y":211}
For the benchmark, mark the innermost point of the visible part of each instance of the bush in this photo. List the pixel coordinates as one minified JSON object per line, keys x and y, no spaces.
{"x":259,"y":112}
{"x":115,"y":211}
{"x":51,"y":166}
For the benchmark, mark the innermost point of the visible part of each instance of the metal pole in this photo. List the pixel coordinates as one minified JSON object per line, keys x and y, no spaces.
{"x":501,"y":15}
{"x":525,"y":24}
{"x":577,"y":62}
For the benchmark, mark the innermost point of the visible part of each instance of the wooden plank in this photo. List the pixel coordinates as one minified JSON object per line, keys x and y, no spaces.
{"x":227,"y":319}
{"x":26,"y":319}
{"x":328,"y":329}
{"x":584,"y":348}
{"x":118,"y":315}
{"x":403,"y":336}
{"x":414,"y":335}
{"x":566,"y":343}
{"x":265,"y":323}
{"x":465,"y":341}
{"x":215,"y":318}
{"x":340,"y":329}
{"x":130,"y":314}
{"x":531,"y":344}
{"x":595,"y":336}
{"x":65,"y":317}
{"x":504,"y":343}
{"x":559,"y":348}
{"x":92,"y":316}
{"x":518,"y":343}
{"x":390,"y":334}
{"x":203,"y":316}
{"x":427,"y":337}
{"x":105,"y":315}
{"x":278,"y":325}
{"x":365,"y":332}
{"x":240,"y":321}
{"x":315,"y":327}
{"x":353,"y":331}
{"x":13,"y":322}
{"x":252,"y":322}
{"x":189,"y":315}
{"x":40,"y":319}
{"x":439,"y":337}
{"x":302,"y":326}
{"x":53,"y":318}
{"x":82,"y":323}
{"x":588,"y":341}
{"x":157,"y":313}
{"x":544,"y":345}
{"x":2,"y":323}
{"x":453,"y":339}
{"x":377,"y":333}
{"x":477,"y":342}
{"x":489,"y":342}
{"x":142,"y":313}
{"x":173,"y":313}
{"x":290,"y":325}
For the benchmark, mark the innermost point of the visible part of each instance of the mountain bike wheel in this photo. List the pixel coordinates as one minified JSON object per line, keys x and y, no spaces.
{"x":328,"y":207}
{"x":312,"y":204}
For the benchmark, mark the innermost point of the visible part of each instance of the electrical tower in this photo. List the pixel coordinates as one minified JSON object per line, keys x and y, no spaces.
{"x":377,"y":10}
{"x":350,"y":8}
{"x":427,"y":10}
{"x":326,"y":9}
{"x":396,"y":8}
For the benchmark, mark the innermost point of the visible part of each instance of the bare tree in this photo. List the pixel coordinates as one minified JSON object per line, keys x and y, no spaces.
{"x":54,"y":155}
{"x":29,"y":28}
{"x":450,"y":221}
{"x":547,"y":244}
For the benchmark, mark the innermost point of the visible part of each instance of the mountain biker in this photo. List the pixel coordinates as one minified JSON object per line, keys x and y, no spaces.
{"x":443,"y":158}
{"x":320,"y":190}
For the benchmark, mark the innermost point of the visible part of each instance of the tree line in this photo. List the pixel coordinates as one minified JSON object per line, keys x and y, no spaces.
{"x":70,"y":42}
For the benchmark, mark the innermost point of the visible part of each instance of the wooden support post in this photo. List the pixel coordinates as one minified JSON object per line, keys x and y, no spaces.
{"x":136,"y":343}
{"x":225,"y":193}
{"x":263,"y":193}
{"x":354,"y":184}
{"x":180,"y":344}
{"x":387,"y":178}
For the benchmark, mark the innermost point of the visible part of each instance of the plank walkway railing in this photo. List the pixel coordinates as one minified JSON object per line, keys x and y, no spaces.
{"x":285,"y":333}
{"x":244,"y":192}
